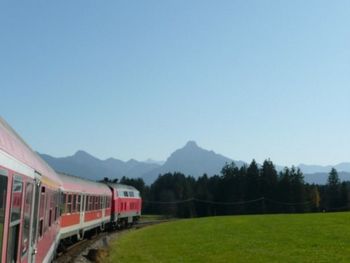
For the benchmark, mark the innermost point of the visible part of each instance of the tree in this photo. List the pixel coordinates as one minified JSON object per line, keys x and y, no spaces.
{"x":333,"y":190}
{"x":268,"y":183}
{"x":344,"y":195}
{"x":253,"y":187}
{"x":315,"y":197}
{"x":297,"y":189}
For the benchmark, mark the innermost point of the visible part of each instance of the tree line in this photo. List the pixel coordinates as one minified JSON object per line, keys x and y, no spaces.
{"x":250,"y":189}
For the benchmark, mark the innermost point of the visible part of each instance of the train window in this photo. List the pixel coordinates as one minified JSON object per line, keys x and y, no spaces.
{"x":57,"y":194}
{"x":87,"y":203}
{"x":63,"y":203}
{"x":101,"y":202}
{"x":126,"y":193}
{"x":78,"y":203}
{"x":74,"y":203}
{"x":50,"y":217}
{"x":91,"y":200}
{"x":56,"y":209}
{"x":27,"y":214}
{"x":46,"y":207}
{"x":131,"y":194}
{"x":3,"y":195}
{"x":96,"y":202}
{"x":69,"y":204}
{"x":42,"y":202}
{"x":16,"y":200}
{"x":82,"y":203}
{"x":41,"y":223}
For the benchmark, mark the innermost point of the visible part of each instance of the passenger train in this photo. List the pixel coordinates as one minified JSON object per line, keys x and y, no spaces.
{"x":40,"y":209}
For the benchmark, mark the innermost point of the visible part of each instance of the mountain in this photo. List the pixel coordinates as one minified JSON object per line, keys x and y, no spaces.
{"x":154,"y":161}
{"x":309,"y":169}
{"x":321,"y":178}
{"x":191,"y":160}
{"x":85,"y":165}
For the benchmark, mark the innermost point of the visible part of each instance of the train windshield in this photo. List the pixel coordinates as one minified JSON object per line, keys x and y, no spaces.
{"x":3,"y":194}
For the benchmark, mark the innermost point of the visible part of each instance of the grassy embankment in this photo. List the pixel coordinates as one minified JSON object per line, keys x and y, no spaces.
{"x":263,"y":238}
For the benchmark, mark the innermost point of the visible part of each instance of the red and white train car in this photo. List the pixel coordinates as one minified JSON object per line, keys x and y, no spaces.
{"x":39,"y":208}
{"x":29,"y":202}
{"x":126,"y":204}
{"x":85,"y":205}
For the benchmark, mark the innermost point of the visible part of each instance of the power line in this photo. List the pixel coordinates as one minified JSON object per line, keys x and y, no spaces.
{"x":228,"y":203}
{"x":286,"y":203}
{"x":224,"y":203}
{"x":169,"y":203}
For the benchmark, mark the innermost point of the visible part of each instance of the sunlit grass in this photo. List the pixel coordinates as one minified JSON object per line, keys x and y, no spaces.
{"x":263,"y":238}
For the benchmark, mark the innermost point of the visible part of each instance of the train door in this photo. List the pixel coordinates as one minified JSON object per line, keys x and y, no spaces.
{"x":4,"y":184}
{"x":13,"y":243}
{"x":103,"y":206}
{"x":33,"y":237}
{"x":82,"y":210}
{"x":27,"y":220}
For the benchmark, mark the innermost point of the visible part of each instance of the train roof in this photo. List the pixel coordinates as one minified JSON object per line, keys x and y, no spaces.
{"x":77,"y":184}
{"x":122,"y":187}
{"x":12,"y":144}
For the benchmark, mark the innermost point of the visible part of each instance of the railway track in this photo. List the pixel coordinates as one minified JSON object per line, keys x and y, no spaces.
{"x":84,"y":248}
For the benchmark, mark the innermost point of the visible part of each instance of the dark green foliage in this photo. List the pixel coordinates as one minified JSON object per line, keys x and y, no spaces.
{"x":244,"y":190}
{"x":333,"y":190}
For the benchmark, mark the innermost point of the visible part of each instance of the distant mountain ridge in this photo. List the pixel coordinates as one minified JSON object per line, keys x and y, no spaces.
{"x":190,"y":160}
{"x":85,"y":165}
{"x":321,"y":178}
{"x":341,"y":167}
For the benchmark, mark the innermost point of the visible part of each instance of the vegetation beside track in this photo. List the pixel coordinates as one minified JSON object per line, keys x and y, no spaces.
{"x":322,"y":237}
{"x":148,"y":218}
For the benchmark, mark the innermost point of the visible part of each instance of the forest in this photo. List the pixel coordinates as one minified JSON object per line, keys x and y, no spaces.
{"x":250,"y":189}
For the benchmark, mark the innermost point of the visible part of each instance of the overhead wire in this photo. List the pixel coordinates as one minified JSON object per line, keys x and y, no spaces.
{"x":224,"y":203}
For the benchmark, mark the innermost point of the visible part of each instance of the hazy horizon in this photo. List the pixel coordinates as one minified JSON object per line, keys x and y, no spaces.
{"x":247,"y":79}
{"x":180,"y":147}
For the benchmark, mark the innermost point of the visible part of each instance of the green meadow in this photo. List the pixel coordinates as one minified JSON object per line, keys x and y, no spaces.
{"x":294,"y":238}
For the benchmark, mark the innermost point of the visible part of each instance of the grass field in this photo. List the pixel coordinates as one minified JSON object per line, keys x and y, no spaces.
{"x":264,"y":238}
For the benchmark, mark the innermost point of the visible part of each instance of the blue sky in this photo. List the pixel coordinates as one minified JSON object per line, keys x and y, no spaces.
{"x":138,"y":79}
